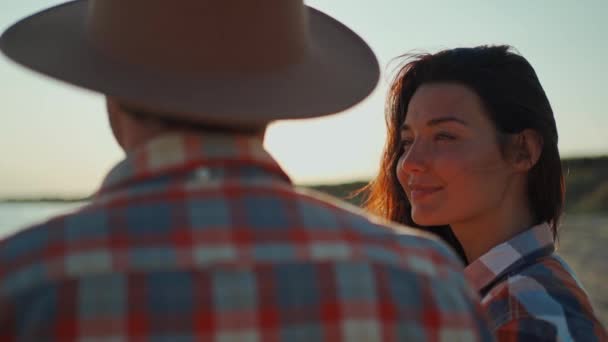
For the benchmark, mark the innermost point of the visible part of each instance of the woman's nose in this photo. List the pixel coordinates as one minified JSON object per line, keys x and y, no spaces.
{"x":414,"y":159}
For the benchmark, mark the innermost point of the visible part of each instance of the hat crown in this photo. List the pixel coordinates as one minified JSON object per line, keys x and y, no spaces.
{"x":201,"y":36}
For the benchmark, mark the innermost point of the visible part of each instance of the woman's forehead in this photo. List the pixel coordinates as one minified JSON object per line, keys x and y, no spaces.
{"x":443,"y":102}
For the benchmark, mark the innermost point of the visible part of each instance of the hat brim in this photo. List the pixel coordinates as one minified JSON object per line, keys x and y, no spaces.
{"x":340,"y":71}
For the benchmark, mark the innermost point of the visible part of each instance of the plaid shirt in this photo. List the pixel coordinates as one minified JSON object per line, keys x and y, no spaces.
{"x":530,"y":293}
{"x":204,"y":238}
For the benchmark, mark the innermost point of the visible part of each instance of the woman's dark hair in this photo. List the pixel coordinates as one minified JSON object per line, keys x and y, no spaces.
{"x":514,"y":100}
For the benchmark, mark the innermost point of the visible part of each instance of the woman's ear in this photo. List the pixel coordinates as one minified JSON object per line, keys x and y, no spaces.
{"x":528,"y":146}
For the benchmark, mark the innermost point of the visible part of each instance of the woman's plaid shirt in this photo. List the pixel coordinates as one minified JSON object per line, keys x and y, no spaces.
{"x":530,"y":293}
{"x":204,"y":238}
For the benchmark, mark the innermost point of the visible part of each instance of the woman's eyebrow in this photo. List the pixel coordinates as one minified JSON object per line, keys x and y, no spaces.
{"x":438,"y":121}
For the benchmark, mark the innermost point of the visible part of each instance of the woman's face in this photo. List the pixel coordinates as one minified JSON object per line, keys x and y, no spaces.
{"x":451,"y":166}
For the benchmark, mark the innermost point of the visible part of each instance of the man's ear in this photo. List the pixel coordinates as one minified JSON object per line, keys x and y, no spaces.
{"x":114,"y":116}
{"x":528,"y":146}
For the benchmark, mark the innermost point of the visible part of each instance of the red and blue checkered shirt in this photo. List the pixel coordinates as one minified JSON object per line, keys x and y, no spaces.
{"x":530,"y":293}
{"x":204,"y":238}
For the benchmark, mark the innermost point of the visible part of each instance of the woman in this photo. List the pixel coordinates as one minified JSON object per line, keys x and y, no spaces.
{"x":472,"y":156}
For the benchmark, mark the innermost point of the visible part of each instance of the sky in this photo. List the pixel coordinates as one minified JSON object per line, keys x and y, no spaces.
{"x":55,"y":139}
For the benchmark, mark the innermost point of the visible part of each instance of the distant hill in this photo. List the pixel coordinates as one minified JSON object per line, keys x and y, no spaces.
{"x":586,"y":186}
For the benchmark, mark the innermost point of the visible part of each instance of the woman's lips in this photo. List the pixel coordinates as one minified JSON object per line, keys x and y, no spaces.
{"x":418,"y":193}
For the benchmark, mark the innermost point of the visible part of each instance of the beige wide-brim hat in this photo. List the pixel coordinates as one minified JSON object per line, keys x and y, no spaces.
{"x":237,"y":62}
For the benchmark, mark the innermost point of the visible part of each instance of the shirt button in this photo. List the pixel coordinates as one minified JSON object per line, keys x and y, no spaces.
{"x":203,"y":173}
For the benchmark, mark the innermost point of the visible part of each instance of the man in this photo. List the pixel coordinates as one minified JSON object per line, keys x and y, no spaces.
{"x":198,"y":234}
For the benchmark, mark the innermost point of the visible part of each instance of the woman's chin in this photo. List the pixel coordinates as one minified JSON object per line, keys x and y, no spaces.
{"x":426,"y":219}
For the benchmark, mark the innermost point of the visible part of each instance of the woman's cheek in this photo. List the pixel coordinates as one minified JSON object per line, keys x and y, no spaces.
{"x":401,"y":176}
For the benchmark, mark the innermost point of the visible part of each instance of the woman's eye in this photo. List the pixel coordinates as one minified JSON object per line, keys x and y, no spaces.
{"x":444,"y":136}
{"x":405,"y":143}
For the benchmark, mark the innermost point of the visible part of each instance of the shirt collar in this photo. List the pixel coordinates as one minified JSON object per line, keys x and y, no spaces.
{"x":178,"y":152}
{"x":508,"y":256}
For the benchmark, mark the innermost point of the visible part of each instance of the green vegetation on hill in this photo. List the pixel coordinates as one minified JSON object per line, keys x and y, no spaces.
{"x":345,"y":191}
{"x":586,"y":186}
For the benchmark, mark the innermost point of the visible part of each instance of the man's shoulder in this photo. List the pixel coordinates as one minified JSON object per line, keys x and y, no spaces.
{"x":296,"y":219}
{"x":37,"y":237}
{"x":25,"y":255}
{"x":415,"y":241}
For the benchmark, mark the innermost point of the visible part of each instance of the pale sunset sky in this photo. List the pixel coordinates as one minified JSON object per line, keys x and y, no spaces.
{"x":55,"y":139}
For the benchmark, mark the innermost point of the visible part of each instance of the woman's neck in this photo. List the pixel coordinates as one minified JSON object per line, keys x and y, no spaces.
{"x":480,"y":234}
